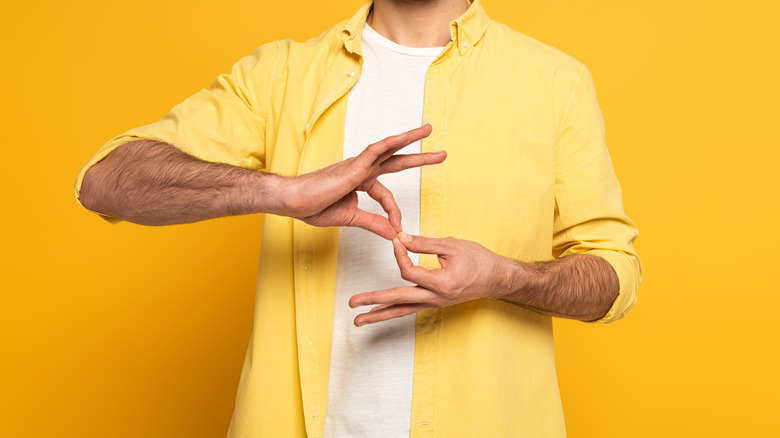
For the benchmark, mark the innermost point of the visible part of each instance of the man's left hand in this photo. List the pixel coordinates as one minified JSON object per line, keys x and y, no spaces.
{"x":469,"y":271}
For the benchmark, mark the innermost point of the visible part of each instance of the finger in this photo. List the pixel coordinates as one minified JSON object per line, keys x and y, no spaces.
{"x":391,"y":145}
{"x":427,"y":245}
{"x":428,"y":278}
{"x":401,"y":255}
{"x":385,"y":198}
{"x":384,"y":313}
{"x":396,"y":295}
{"x":380,"y":307}
{"x":374,"y":223}
{"x":415,"y":135}
{"x":398,"y":163}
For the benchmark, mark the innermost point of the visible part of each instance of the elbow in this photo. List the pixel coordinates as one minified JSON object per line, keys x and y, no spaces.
{"x":89,"y":195}
{"x":627,"y":270}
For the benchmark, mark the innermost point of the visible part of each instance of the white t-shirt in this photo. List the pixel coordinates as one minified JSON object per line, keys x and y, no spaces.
{"x":371,"y":367}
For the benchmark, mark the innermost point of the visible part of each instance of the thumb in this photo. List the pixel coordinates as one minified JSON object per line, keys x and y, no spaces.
{"x":423,"y":245}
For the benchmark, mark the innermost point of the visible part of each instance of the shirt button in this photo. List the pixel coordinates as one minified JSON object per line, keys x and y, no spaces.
{"x":311,"y":342}
{"x":305,"y":268}
{"x":464,"y":43}
{"x":351,"y":74}
{"x":306,"y":127}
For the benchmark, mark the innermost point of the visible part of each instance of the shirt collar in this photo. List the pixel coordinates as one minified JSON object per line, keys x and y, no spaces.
{"x":465,"y":31}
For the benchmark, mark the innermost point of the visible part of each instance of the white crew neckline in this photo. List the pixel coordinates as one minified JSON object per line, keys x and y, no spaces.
{"x":374,"y":37}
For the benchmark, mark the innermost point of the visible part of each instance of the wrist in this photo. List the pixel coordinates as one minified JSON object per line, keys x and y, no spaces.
{"x":265,"y":193}
{"x":511,"y":276}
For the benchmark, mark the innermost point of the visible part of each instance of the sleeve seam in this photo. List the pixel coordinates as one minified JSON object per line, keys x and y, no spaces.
{"x":267,"y":105}
{"x":569,"y":102}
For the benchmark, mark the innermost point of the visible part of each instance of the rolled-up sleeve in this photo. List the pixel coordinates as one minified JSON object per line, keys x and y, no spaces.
{"x":589,"y":214}
{"x":224,"y":123}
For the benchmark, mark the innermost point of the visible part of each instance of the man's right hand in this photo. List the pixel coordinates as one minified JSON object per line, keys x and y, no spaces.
{"x":154,"y":183}
{"x":328,"y":197}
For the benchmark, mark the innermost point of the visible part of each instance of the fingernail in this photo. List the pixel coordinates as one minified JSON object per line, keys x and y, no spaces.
{"x":405,"y":236}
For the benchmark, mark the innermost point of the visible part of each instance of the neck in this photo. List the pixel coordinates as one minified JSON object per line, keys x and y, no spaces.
{"x":416,"y":23}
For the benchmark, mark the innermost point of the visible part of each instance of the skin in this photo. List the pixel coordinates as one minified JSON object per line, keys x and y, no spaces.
{"x":579,"y":286}
{"x":154,"y":183}
{"x":416,"y":23}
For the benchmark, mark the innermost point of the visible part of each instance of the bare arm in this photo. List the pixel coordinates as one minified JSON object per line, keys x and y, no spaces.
{"x":578,"y":286}
{"x":153,"y":183}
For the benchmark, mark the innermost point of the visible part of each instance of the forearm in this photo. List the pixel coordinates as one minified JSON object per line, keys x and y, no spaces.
{"x":153,"y":183}
{"x":579,"y":286}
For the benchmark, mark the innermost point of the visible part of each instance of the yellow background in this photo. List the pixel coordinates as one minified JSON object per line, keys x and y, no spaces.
{"x":128,"y":331}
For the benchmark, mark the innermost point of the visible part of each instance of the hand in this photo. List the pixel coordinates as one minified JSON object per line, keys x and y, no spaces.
{"x":469,"y":271}
{"x":328,"y":197}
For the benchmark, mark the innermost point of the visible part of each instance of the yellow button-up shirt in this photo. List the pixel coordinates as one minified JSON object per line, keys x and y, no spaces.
{"x":528,"y":176}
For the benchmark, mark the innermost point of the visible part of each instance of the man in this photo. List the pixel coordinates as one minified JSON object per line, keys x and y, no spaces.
{"x":517,"y":217}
